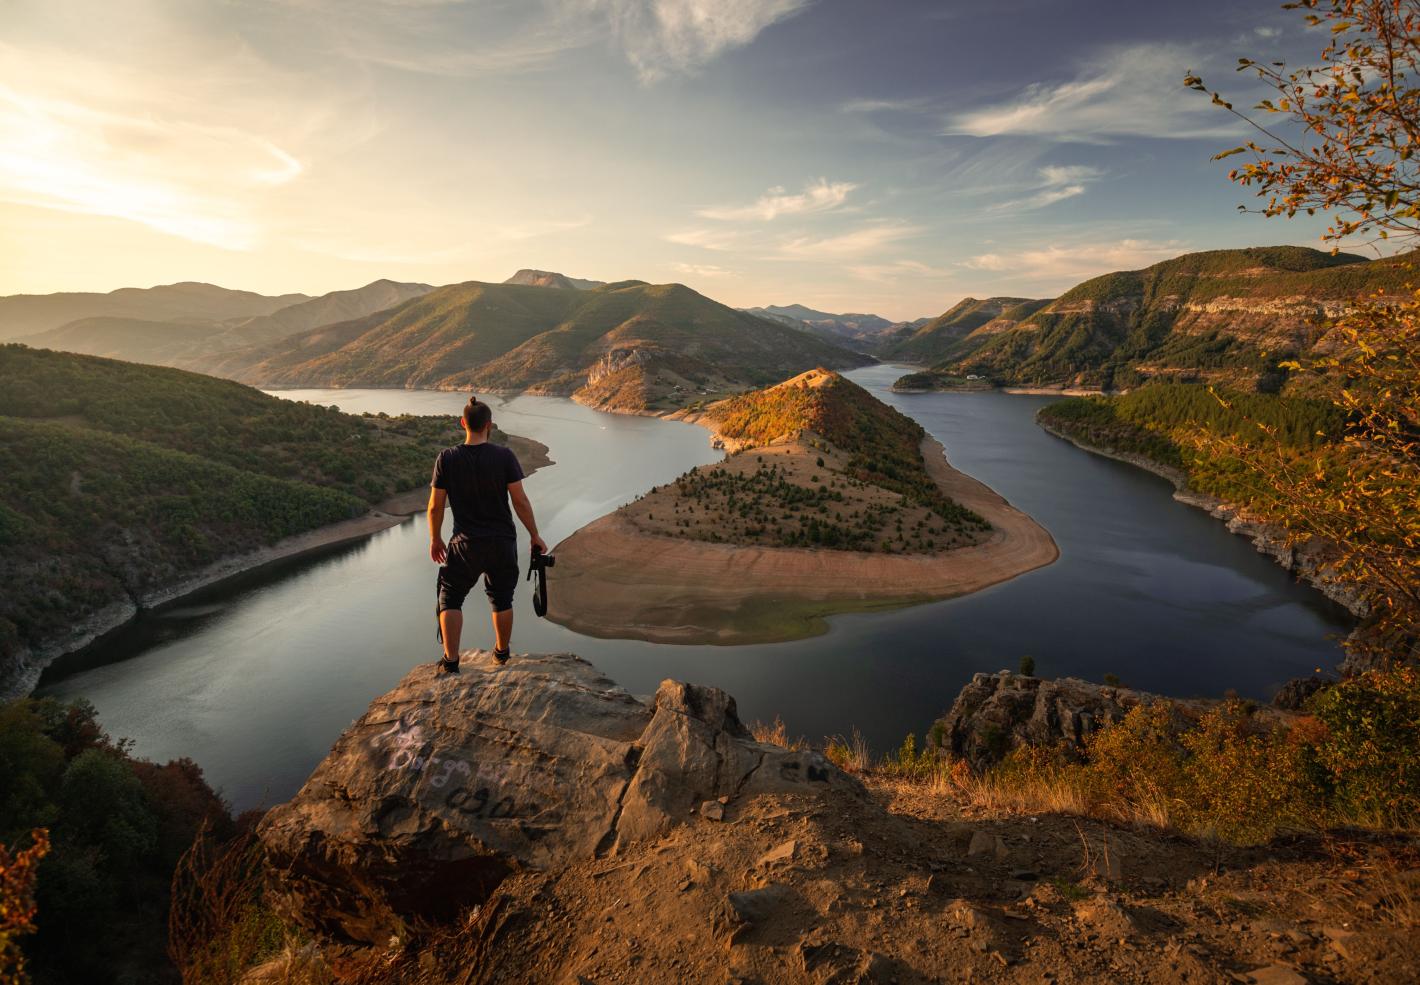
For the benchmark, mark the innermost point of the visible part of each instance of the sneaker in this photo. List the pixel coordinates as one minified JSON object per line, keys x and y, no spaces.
{"x":447,"y":667}
{"x":500,"y":657}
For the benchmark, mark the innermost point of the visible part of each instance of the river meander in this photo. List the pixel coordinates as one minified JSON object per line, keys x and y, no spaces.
{"x":256,"y":677}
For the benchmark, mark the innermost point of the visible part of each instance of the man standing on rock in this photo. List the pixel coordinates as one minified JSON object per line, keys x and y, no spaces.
{"x":477,"y":479}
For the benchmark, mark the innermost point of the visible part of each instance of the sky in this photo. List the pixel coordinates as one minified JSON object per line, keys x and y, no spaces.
{"x":888,"y":156}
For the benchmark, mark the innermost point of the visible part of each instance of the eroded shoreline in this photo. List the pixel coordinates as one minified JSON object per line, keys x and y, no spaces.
{"x":616,"y":582}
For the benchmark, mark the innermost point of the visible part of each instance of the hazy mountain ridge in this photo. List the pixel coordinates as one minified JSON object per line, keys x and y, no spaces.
{"x":627,"y":346}
{"x":191,"y":343}
{"x":29,"y":314}
{"x":859,"y":331}
{"x":1215,"y":316}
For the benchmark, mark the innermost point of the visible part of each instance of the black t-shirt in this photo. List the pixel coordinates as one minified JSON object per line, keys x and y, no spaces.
{"x":476,"y":478}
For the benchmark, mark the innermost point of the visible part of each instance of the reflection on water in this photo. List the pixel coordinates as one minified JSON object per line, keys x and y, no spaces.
{"x":255,"y":678}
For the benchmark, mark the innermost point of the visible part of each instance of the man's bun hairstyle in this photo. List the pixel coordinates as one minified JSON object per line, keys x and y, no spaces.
{"x":476,"y":415}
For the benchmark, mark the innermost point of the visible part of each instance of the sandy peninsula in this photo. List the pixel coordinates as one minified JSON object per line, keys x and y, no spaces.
{"x":616,"y":581}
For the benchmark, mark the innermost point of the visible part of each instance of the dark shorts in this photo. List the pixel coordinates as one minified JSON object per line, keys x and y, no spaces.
{"x":494,"y":560}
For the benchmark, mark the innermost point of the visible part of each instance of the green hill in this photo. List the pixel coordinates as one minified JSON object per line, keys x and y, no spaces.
{"x":936,"y":339}
{"x":192,"y":343}
{"x":1226,"y":316}
{"x":23,"y":315}
{"x":117,"y":479}
{"x":627,"y":346}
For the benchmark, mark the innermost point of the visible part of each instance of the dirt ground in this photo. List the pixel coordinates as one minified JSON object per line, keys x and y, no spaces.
{"x":904,"y":886}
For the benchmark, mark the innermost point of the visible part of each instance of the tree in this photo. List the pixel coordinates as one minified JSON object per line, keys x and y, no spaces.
{"x":1357,"y":116}
{"x":17,"y":903}
{"x":1359,"y":110}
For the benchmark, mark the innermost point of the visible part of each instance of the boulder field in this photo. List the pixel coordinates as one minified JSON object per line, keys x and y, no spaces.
{"x":538,"y":823}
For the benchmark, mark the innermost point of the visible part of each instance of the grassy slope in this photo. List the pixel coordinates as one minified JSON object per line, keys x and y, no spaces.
{"x":1104,"y":331}
{"x":513,"y":337}
{"x":936,"y":339}
{"x":116,"y":478}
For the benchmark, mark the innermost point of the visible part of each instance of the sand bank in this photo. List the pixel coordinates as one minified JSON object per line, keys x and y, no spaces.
{"x":616,"y":582}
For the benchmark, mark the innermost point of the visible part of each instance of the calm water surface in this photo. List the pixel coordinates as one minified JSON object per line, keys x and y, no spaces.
{"x":254,"y":679}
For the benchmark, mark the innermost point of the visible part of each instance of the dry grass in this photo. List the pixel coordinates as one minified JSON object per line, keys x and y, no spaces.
{"x":850,"y":755}
{"x":777,"y":734}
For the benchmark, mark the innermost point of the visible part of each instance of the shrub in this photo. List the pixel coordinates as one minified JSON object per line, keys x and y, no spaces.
{"x":1244,"y":785}
{"x":1027,"y":665}
{"x":1370,"y":752}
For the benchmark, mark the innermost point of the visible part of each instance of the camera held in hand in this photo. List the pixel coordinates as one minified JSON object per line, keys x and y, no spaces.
{"x":537,"y":574}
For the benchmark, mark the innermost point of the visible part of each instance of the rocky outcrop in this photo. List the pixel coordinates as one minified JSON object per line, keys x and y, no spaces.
{"x":997,"y":713}
{"x":614,"y":361}
{"x":447,"y":785}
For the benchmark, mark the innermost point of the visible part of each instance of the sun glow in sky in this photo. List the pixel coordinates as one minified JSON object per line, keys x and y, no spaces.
{"x":870,"y":155}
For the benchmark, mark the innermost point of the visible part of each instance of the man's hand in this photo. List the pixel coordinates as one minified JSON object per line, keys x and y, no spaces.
{"x":438,"y":553}
{"x":539,"y":544}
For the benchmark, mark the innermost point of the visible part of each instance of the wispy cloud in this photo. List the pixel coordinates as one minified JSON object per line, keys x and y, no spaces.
{"x":701,"y":270}
{"x":1055,"y":183}
{"x":864,"y":241}
{"x":1063,"y":264}
{"x":661,"y":37}
{"x":1130,"y":91}
{"x":819,"y":196}
{"x":705,"y":239}
{"x":906,"y":105}
{"x":898,"y":270}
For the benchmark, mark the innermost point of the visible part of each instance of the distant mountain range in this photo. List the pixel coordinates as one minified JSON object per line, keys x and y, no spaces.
{"x":1226,"y":316}
{"x":628,"y":346}
{"x":861,"y":332}
{"x":30,"y":314}
{"x":548,"y":278}
{"x":192,"y":342}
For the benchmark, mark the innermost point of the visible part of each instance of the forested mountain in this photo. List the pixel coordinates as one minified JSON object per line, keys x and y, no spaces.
{"x":1224,"y":316}
{"x":549,"y":278}
{"x":626,"y":346}
{"x":930,"y":341}
{"x":29,"y":314}
{"x":191,"y":343}
{"x":116,"y":479}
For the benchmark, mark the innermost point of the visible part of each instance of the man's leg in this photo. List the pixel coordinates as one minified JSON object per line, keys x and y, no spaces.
{"x":502,"y":630}
{"x":500,"y":580}
{"x":454,"y":585}
{"x":451,"y":626}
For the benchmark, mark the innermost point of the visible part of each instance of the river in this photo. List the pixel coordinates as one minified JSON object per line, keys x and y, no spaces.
{"x":256,"y":677}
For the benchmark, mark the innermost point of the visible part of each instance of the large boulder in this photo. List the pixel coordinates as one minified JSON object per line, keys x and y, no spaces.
{"x":447,"y":784}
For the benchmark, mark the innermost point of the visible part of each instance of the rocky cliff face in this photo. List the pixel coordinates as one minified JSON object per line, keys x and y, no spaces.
{"x":602,"y":838}
{"x":997,"y":713}
{"x":449,"y":784}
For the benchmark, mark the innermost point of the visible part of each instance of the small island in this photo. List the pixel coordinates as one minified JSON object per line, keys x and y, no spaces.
{"x":829,"y":501}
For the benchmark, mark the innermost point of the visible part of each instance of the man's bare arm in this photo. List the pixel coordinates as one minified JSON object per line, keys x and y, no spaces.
{"x":523,"y":507}
{"x":438,"y":552}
